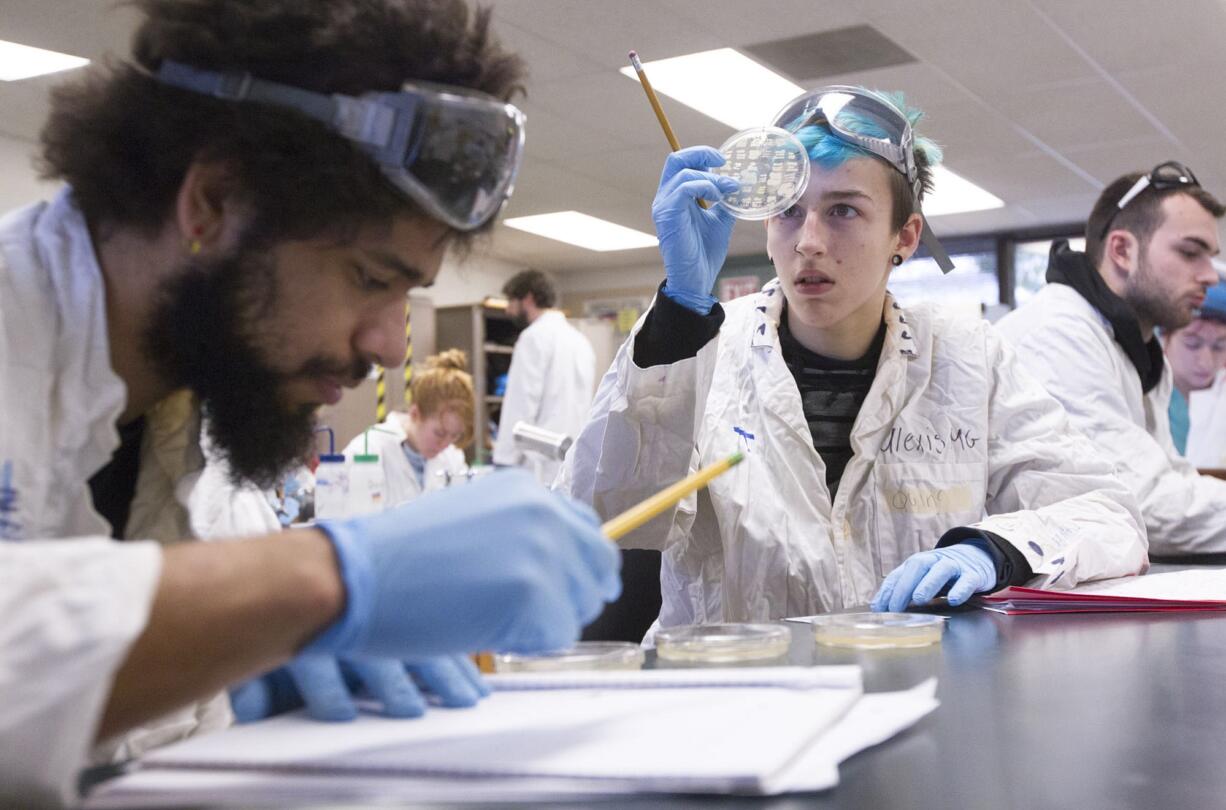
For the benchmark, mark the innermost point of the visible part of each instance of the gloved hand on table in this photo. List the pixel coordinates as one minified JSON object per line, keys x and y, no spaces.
{"x":327,"y":685}
{"x":499,"y":564}
{"x":966,"y":567}
{"x":693,"y":241}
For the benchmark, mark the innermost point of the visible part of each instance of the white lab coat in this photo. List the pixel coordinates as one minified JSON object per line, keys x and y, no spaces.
{"x":72,"y":609}
{"x":221,"y":509}
{"x":950,"y":424}
{"x":1070,"y":347}
{"x":400,"y":481}
{"x":553,"y":371}
{"x":1207,"y":426}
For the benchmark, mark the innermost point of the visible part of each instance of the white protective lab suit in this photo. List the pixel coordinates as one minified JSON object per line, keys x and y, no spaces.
{"x":950,"y":424}
{"x":1207,"y":426}
{"x":1070,"y":347}
{"x":400,"y":480}
{"x":71,"y":609}
{"x":220,"y":509}
{"x":553,"y":371}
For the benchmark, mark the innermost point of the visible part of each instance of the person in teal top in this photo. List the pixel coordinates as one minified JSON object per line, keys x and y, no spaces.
{"x":1196,"y":353}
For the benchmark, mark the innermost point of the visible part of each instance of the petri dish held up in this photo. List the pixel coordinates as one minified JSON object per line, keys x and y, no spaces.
{"x":772,"y":167}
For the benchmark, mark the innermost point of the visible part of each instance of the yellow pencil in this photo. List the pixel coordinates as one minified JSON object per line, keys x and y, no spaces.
{"x":639,"y":514}
{"x":655,"y":105}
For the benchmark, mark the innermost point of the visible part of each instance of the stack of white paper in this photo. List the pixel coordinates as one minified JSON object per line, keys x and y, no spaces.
{"x":529,"y":743}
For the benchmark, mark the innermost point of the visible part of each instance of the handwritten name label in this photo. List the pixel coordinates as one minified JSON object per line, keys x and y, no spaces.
{"x":904,"y":442}
{"x":929,"y":500}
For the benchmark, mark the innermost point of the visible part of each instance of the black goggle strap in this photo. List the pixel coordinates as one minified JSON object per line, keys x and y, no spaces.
{"x":371,"y":124}
{"x":934,"y":246}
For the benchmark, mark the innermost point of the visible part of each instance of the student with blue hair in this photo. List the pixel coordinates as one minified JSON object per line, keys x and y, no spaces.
{"x":890,"y":452}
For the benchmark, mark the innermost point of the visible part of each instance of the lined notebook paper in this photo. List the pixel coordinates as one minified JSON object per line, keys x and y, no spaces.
{"x":874,"y":719}
{"x":703,"y":738}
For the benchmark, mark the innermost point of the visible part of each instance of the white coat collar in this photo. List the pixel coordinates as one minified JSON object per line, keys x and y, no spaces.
{"x":65,"y":252}
{"x":768,"y":310}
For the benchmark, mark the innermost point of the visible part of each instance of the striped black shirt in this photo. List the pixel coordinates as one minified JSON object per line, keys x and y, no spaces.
{"x":831,"y":393}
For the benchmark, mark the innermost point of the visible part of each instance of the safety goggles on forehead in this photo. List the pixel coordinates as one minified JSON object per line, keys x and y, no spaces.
{"x":847,"y":112}
{"x":454,"y":152}
{"x":1171,"y":174}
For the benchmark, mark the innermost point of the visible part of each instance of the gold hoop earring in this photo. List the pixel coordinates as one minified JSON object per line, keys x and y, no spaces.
{"x":193,"y":247}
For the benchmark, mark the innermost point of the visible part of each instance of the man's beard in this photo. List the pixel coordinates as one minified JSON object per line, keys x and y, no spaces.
{"x":1149,"y":303}
{"x":201,"y":336}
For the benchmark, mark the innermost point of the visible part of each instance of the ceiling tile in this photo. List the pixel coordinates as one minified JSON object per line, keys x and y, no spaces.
{"x":737,"y":23}
{"x":1108,"y":160}
{"x":605,"y":32}
{"x":990,"y":47}
{"x":1133,"y":35}
{"x":1071,"y":114}
{"x":616,"y":105}
{"x":1019,"y":177}
{"x":548,"y":60}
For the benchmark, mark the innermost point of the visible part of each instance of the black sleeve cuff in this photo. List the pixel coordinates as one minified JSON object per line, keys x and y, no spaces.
{"x":1011,"y":566}
{"x":671,"y":333}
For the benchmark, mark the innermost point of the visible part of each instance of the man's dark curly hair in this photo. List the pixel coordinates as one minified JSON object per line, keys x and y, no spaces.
{"x":124,"y":141}
{"x":531,"y":283}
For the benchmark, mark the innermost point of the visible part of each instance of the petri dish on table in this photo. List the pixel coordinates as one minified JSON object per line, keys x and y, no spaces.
{"x":878,"y":631}
{"x":585,"y":655}
{"x":772,"y":167}
{"x":723,"y":643}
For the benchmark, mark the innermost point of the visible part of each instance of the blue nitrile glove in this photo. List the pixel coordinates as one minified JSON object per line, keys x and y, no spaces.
{"x":693,"y":241}
{"x":498,"y":564}
{"x":967,"y":567}
{"x":326,"y":686}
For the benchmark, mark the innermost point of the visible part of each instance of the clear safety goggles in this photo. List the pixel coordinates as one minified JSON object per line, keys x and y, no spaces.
{"x":453,"y":151}
{"x":1171,"y":174}
{"x":844,"y":110}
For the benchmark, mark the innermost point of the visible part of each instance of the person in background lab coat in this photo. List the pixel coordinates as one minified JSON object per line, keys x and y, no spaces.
{"x":1088,"y":335}
{"x":1196,"y":354}
{"x":246,"y":262}
{"x":889,"y":451}
{"x":552,"y":374}
{"x":418,"y":447}
{"x":1207,"y":426}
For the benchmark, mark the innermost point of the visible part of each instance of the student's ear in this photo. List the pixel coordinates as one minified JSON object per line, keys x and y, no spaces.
{"x":1124,"y":250}
{"x":907,"y":240}
{"x":207,"y":210}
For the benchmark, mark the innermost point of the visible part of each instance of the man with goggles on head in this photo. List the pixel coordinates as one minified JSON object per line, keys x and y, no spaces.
{"x":1089,"y":335}
{"x":876,"y":438}
{"x":248,"y":203}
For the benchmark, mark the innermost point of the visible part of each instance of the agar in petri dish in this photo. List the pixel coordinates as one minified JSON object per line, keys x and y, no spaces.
{"x":772,"y":167}
{"x":585,"y":655}
{"x":878,"y":631}
{"x":723,"y":643}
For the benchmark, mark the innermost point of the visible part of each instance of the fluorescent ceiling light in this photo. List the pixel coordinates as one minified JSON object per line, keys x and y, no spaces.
{"x":724,"y":84}
{"x":582,"y":230}
{"x":22,"y":61}
{"x":952,"y":194}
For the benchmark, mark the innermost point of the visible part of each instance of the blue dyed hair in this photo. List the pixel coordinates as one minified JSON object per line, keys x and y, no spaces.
{"x":829,"y":151}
